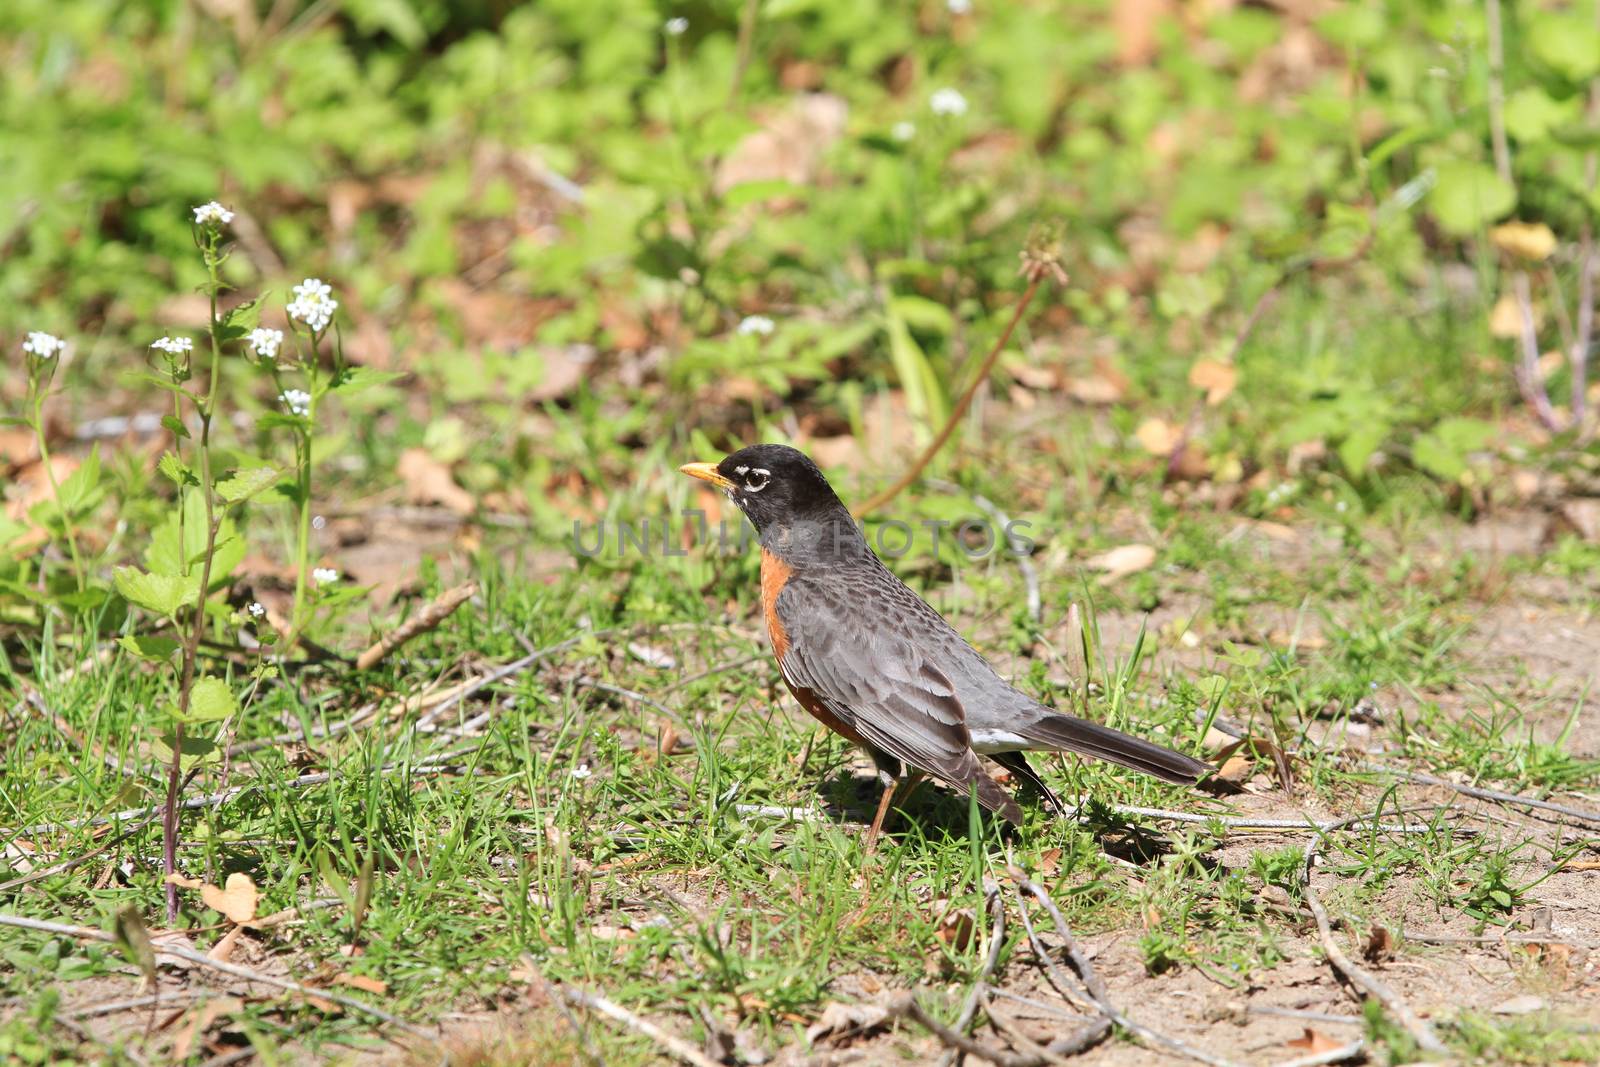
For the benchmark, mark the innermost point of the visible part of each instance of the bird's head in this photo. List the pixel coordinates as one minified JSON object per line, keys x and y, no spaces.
{"x":778,"y":487}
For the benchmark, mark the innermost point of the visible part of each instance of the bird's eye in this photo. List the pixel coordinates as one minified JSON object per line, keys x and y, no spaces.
{"x":756,"y":480}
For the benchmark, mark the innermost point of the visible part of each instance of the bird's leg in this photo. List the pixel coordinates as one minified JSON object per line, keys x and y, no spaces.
{"x":889,"y":784}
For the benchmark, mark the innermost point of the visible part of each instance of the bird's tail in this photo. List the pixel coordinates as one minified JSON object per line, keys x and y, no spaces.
{"x":1072,"y":734}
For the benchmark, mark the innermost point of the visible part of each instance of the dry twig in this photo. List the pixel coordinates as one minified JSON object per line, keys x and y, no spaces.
{"x":440,"y":609}
{"x":1359,"y":976}
{"x":675,"y":1045}
{"x":1481,"y":793}
{"x":85,"y":933}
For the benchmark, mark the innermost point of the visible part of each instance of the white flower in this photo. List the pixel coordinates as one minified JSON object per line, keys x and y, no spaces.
{"x":958,"y":7}
{"x":581,"y":771}
{"x":756,"y":324}
{"x":313,"y":304}
{"x":298,"y":401}
{"x":676,"y":27}
{"x":256,"y":610}
{"x":948,"y":102}
{"x":324,"y":575}
{"x":213,"y":212}
{"x":265,"y":342}
{"x":318,"y":522}
{"x":43,"y":345}
{"x":903,"y":131}
{"x":173,"y":346}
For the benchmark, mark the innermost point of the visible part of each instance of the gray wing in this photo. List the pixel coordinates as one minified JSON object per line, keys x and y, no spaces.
{"x":856,"y":649}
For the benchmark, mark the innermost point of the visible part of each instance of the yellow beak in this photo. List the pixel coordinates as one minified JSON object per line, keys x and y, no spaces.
{"x":706,"y":472}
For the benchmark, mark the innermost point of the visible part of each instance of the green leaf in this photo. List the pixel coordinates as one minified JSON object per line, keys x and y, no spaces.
{"x":924,"y":395}
{"x":159,"y":649}
{"x":175,"y":425}
{"x":162,"y":594}
{"x":167,"y":556}
{"x":356,"y":379}
{"x":1531,"y":114}
{"x":1359,"y":446}
{"x":80,"y":491}
{"x":176,"y":470}
{"x":757,"y":191}
{"x":193,"y":750}
{"x":1567,"y":43}
{"x":1466,"y":196}
{"x":926,"y":315}
{"x":210,"y":699}
{"x":246,"y":484}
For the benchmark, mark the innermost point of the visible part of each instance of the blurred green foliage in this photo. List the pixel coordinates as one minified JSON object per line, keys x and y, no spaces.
{"x":610,"y":179}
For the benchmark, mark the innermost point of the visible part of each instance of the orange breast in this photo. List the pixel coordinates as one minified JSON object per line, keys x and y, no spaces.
{"x":775,"y":575}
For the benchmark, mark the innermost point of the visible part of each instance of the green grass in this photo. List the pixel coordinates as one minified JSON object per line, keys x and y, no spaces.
{"x":497,"y":191}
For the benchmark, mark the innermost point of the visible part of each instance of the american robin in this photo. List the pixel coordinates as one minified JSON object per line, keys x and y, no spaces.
{"x":876,"y":663}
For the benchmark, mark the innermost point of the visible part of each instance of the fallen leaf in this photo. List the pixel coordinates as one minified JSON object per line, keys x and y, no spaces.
{"x":1236,"y":769}
{"x":843,"y":1020}
{"x":659,"y":658}
{"x":791,"y":145}
{"x":200,"y":1020}
{"x":1158,"y":436}
{"x":362,"y":982}
{"x":183,"y":881}
{"x":956,"y":929}
{"x":1379,"y":946}
{"x":1505,"y":318}
{"x":1526,"y":1004}
{"x":222,"y":951}
{"x":1218,"y":379}
{"x":1122,"y":561}
{"x":237,"y":901}
{"x":1527,"y":240}
{"x":429,"y":481}
{"x":1314,"y":1042}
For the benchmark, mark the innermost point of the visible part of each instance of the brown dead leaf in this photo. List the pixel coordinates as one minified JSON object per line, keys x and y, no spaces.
{"x":201,"y":1020}
{"x":1158,"y":436}
{"x":1236,"y":769}
{"x":1314,"y":1042}
{"x":839,"y":1021}
{"x":183,"y":881}
{"x":956,"y":929}
{"x":222,"y":951}
{"x":429,"y":481}
{"x":1134,"y":22}
{"x":1505,"y":319}
{"x":362,"y":982}
{"x":1525,"y":240}
{"x":791,"y":145}
{"x":1379,"y":946}
{"x":1217,"y":378}
{"x":237,"y":901}
{"x":1122,"y":561}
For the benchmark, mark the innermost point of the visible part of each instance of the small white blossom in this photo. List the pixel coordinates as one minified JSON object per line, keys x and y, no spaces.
{"x":324,"y":575}
{"x":958,"y":7}
{"x":313,"y":304}
{"x":43,"y":345}
{"x":675,"y":27}
{"x":265,"y":342}
{"x":948,"y":102}
{"x":298,"y":401}
{"x":756,"y":324}
{"x":256,"y":610}
{"x":173,"y":346}
{"x":210,"y":213}
{"x":318,"y":522}
{"x":581,"y":771}
{"x":903,"y":131}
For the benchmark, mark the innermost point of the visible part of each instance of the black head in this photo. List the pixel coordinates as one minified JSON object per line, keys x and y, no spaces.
{"x":775,"y":485}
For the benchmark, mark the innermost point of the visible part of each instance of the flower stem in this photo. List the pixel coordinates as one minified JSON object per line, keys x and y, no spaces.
{"x":206,"y":407}
{"x":55,"y":491}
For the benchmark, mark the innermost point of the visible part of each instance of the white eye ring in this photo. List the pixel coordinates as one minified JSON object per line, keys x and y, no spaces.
{"x":757,"y":480}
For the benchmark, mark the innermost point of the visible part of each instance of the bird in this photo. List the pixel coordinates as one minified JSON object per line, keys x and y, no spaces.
{"x":876,"y":663}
